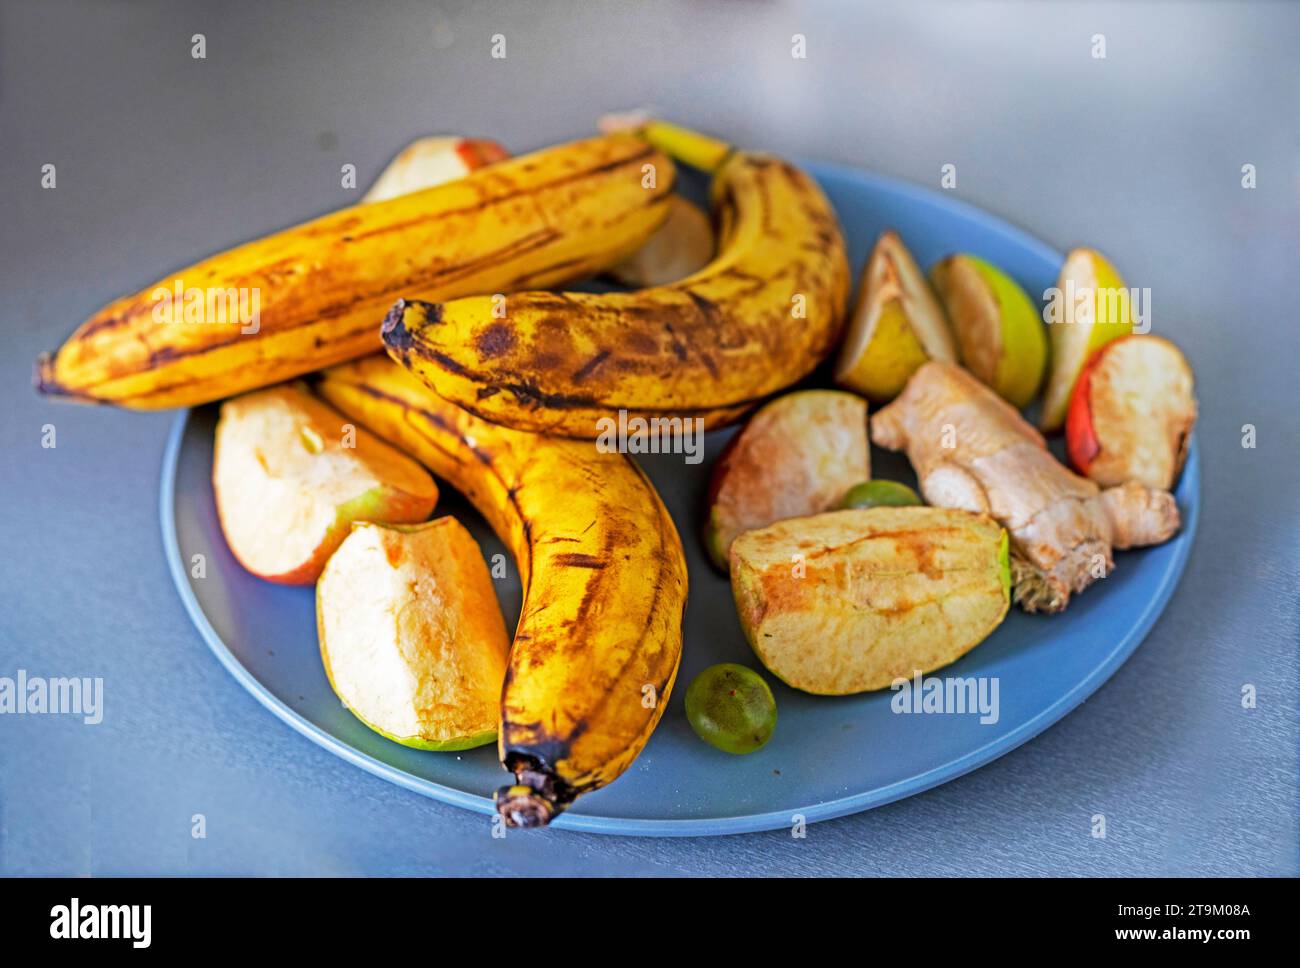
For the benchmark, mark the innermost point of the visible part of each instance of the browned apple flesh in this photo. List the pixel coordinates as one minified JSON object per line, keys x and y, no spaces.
{"x":848,"y":601}
{"x":798,"y":455}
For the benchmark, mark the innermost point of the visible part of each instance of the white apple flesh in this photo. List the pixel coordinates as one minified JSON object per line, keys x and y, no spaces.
{"x":411,"y":634}
{"x":291,"y":474}
{"x":1132,"y":413}
{"x":432,"y":161}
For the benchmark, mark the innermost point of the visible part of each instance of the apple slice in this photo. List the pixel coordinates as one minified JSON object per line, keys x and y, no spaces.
{"x":1095,"y":309}
{"x":290,"y":479}
{"x":797,"y":455}
{"x":896,"y":325}
{"x":411,"y":634}
{"x":678,"y":248}
{"x":427,"y":162}
{"x":997,"y":326}
{"x":850,"y":601}
{"x":1132,"y":413}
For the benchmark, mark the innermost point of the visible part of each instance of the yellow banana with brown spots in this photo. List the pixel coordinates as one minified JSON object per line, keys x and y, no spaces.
{"x":758,"y":318}
{"x":599,"y":637}
{"x":315,"y":294}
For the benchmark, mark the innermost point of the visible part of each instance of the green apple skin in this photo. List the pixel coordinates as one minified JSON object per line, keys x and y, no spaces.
{"x":1008,"y":351}
{"x":1024,"y":344}
{"x":713,"y":545}
{"x":447,"y":746}
{"x":1004,"y":562}
{"x":1060,"y":384}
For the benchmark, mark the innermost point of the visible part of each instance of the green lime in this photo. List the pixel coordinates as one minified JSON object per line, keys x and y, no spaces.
{"x":730,"y":706}
{"x":880,"y":494}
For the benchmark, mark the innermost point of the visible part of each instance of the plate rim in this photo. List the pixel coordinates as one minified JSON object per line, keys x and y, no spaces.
{"x":716,"y":826}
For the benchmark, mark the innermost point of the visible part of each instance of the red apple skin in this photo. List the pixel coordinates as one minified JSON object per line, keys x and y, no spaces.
{"x":480,"y":152}
{"x":1110,"y":461}
{"x":718,"y":556}
{"x":1081,"y":442}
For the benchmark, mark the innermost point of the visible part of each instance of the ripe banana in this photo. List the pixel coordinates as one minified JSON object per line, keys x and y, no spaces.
{"x":759,"y":317}
{"x":314,"y":295}
{"x":599,"y":637}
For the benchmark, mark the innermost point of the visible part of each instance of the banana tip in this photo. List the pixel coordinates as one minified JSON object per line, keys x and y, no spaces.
{"x":393,"y":331}
{"x":46,"y":384}
{"x":522,"y":806}
{"x":41,"y":372}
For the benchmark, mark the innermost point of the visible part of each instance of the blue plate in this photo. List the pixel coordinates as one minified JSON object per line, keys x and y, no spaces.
{"x":829,"y":756}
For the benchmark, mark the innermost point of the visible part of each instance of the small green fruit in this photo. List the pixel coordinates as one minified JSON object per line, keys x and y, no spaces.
{"x":730,"y":706}
{"x":875,"y":494}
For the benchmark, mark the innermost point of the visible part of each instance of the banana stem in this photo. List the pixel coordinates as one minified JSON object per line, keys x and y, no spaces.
{"x":533,"y":800}
{"x":689,"y":147}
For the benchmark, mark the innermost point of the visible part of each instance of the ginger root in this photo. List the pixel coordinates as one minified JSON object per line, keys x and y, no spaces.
{"x":973,"y":451}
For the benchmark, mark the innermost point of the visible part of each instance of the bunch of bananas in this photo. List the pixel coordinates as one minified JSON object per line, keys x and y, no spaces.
{"x":495,"y":371}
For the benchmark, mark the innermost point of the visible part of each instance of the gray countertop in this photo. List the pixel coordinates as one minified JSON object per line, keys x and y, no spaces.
{"x":162,"y":158}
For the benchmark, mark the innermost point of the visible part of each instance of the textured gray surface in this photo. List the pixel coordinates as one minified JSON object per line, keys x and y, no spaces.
{"x":162,"y":158}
